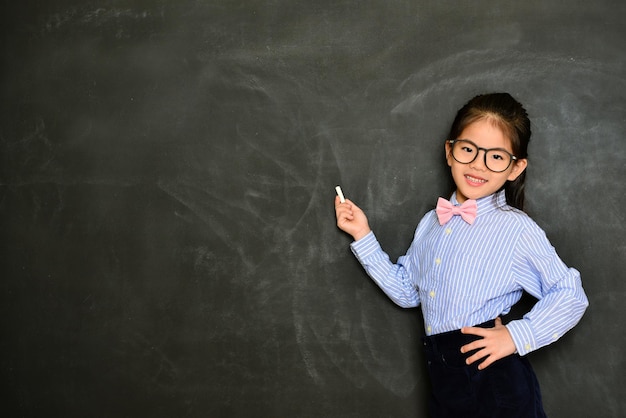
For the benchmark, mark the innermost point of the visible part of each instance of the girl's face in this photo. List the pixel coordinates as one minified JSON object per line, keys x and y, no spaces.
{"x":475,"y":180}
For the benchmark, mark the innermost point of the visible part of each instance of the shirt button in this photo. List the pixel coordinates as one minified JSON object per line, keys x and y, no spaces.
{"x":448,"y":231}
{"x":555,"y":336}
{"x":528,"y":347}
{"x":429,"y":329}
{"x":432,"y":294}
{"x":438,"y":261}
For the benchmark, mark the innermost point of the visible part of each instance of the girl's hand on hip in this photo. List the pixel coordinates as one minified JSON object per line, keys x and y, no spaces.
{"x":496,"y":343}
{"x":351,"y":219}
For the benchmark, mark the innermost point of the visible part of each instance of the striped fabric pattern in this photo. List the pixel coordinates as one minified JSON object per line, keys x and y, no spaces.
{"x":464,"y":275}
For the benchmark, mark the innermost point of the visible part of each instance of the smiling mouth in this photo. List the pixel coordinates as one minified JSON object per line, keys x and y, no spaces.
{"x":475,"y":180}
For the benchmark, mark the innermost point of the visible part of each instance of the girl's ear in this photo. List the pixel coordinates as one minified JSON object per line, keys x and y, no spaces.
{"x":518,"y":168}
{"x":448,"y":153}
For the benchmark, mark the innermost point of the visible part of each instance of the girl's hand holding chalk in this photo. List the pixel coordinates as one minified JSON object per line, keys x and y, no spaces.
{"x":350,"y":218}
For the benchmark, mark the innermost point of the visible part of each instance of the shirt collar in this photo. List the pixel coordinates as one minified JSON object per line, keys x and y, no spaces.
{"x":486,"y":204}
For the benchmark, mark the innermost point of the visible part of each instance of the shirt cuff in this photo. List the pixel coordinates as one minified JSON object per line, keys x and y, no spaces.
{"x":523,"y":336}
{"x":365,"y":247}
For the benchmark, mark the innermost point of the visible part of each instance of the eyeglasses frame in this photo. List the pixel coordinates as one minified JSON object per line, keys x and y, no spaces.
{"x":453,"y":141}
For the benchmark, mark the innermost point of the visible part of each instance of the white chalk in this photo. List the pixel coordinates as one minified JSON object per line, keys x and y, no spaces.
{"x":340,"y":194}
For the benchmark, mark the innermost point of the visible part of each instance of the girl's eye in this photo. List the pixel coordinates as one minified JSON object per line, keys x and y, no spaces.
{"x":468,"y":149}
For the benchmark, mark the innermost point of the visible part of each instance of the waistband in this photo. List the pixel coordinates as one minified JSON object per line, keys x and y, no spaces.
{"x":452,"y":340}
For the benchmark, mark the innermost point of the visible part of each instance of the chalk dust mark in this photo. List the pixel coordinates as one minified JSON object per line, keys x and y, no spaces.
{"x":209,"y":214}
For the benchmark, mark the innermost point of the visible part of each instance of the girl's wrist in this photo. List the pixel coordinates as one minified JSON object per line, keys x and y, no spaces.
{"x":361,"y":234}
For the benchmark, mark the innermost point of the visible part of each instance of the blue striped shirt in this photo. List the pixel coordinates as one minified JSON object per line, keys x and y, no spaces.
{"x":464,"y":275}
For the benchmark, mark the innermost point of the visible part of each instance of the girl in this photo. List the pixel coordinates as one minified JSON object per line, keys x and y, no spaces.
{"x":469,"y":263}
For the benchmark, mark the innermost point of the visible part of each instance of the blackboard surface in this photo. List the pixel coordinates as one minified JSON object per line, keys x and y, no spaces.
{"x":167,"y":176}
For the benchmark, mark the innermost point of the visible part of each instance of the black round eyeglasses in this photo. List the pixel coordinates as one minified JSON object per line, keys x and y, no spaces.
{"x":496,"y":159}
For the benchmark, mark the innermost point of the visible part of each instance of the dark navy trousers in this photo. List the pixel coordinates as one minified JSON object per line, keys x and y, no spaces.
{"x":507,"y":388}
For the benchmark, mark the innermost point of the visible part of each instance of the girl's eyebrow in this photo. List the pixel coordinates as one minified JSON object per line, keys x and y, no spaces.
{"x":483,"y":148}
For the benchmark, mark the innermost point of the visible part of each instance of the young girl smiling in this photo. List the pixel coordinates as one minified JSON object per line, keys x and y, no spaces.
{"x":469,"y":263}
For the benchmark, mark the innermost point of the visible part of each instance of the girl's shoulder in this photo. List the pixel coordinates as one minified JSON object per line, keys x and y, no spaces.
{"x":517,"y":218}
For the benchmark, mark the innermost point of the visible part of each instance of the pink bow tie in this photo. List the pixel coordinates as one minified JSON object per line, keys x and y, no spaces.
{"x":446,"y":210}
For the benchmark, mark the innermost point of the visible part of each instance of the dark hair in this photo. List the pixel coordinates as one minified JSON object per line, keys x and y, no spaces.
{"x":511,"y":117}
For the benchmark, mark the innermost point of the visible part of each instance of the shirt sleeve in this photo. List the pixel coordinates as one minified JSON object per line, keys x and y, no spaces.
{"x":558,"y":288}
{"x":394,"y":279}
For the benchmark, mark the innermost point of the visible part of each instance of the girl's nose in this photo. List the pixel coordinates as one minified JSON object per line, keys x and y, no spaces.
{"x":479,"y":161}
